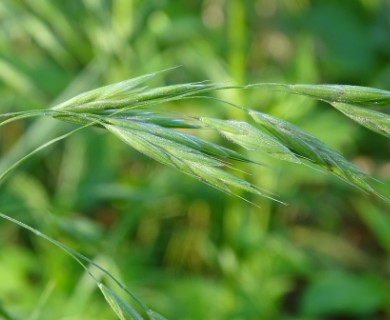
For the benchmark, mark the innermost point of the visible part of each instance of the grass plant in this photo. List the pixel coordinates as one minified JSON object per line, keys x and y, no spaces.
{"x":172,"y":184}
{"x":131,"y":111}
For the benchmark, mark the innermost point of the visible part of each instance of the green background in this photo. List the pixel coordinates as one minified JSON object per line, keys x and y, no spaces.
{"x":185,"y":249}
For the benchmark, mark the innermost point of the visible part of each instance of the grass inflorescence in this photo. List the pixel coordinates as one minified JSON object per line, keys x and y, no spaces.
{"x":128,"y":110}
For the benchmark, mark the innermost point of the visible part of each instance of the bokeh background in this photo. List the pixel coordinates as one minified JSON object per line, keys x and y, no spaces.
{"x":185,"y":249}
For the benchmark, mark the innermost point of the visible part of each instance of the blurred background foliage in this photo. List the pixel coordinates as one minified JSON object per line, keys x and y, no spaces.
{"x":185,"y":249}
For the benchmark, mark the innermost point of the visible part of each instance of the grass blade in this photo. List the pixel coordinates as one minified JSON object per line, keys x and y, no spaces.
{"x":36,"y":150}
{"x":79,"y":258}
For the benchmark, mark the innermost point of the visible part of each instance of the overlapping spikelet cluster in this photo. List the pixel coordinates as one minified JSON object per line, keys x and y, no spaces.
{"x":127,"y":109}
{"x":120,"y":108}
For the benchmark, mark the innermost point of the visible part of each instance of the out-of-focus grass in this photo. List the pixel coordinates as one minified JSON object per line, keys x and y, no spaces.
{"x":184,"y":248}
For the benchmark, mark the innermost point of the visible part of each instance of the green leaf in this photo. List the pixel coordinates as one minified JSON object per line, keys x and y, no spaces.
{"x":343,"y":293}
{"x":84,"y":261}
{"x":377,"y":220}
